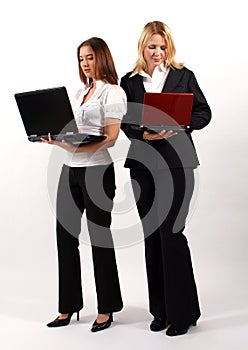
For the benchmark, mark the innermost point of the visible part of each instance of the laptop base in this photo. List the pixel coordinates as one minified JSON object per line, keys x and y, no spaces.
{"x":75,"y":139}
{"x":155,"y":129}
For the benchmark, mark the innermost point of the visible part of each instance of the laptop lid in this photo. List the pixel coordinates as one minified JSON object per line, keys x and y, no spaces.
{"x":167,"y":110}
{"x":46,"y":110}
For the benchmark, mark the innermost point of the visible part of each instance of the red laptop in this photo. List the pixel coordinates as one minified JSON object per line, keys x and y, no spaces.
{"x":167,"y":110}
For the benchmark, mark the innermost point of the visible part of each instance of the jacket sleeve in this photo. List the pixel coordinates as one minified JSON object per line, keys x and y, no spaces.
{"x":201,"y":112}
{"x":131,"y":120}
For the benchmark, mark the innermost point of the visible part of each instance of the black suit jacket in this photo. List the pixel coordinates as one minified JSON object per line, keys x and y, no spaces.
{"x":177,"y":151}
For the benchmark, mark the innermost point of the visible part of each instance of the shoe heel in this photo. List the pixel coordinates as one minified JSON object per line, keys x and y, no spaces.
{"x":194,"y":323}
{"x":77,"y":315}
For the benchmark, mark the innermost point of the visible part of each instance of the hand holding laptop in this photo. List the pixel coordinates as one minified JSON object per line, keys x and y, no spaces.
{"x":162,"y":135}
{"x":63,"y":144}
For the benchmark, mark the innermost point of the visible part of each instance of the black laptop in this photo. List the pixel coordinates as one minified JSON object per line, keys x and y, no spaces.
{"x":49,"y":111}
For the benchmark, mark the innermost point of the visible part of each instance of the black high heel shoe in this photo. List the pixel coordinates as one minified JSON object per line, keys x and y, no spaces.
{"x":172,"y":331}
{"x":96,"y":327}
{"x":158,"y":324}
{"x":60,"y":322}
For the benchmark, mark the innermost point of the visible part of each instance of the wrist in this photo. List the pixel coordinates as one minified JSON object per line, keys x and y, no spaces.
{"x":146,"y":139}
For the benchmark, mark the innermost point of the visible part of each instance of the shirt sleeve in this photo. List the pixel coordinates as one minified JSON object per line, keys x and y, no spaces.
{"x":116,"y":103}
{"x":75,"y":99}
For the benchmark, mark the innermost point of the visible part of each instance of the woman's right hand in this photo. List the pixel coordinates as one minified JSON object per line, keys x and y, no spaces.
{"x":49,"y":141}
{"x":63,"y":144}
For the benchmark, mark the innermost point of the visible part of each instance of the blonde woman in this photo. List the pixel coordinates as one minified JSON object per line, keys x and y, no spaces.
{"x":162,"y":164}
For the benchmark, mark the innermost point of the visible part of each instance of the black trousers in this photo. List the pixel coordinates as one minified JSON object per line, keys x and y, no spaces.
{"x":163,"y":200}
{"x":89,"y":189}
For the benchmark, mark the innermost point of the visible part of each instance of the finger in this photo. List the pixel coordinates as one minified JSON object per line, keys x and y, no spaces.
{"x":162,"y":133}
{"x":170,"y":133}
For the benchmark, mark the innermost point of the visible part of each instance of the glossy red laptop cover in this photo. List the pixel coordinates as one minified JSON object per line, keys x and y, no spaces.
{"x":167,"y":109}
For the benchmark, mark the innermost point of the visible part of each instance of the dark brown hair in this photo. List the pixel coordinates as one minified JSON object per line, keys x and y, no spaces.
{"x":104,"y":63}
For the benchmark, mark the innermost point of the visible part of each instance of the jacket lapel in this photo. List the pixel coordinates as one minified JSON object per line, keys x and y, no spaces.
{"x":172,"y":80}
{"x":138,"y":88}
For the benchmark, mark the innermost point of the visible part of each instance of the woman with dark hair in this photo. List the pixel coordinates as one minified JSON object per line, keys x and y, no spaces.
{"x":162,"y":167}
{"x":87,"y":183}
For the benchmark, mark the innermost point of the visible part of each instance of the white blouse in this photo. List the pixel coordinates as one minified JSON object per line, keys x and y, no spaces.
{"x":107,"y":101}
{"x":157,"y":81}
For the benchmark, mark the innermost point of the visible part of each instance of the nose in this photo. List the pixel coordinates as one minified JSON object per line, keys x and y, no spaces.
{"x":156,"y":51}
{"x":84,"y":63}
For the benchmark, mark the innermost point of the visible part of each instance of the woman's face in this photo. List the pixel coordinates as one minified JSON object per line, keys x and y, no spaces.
{"x":155,"y":52}
{"x":87,"y":61}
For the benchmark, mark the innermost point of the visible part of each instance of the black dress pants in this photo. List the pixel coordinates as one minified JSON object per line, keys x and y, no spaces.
{"x":89,"y":189}
{"x":163,"y":200}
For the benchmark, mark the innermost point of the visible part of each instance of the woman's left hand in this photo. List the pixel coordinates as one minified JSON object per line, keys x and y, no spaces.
{"x":162,"y":135}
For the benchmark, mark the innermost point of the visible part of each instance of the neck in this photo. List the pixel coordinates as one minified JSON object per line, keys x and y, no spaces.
{"x":93,"y":84}
{"x":150,"y":71}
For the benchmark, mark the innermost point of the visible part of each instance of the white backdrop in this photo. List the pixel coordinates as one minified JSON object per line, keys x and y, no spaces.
{"x":38,"y":50}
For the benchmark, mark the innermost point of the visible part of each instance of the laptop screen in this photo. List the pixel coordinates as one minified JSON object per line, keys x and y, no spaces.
{"x":47,"y":110}
{"x":167,"y":108}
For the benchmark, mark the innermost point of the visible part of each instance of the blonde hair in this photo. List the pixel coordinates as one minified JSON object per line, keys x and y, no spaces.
{"x":151,"y":28}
